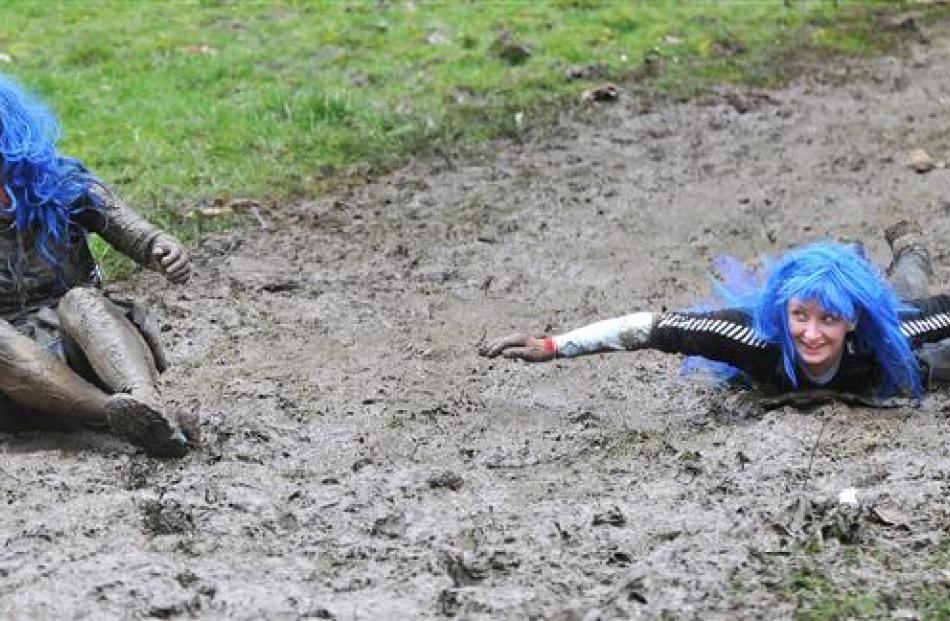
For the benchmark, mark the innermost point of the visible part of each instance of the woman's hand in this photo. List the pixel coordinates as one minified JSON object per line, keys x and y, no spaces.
{"x":522,"y":347}
{"x":171,"y":259}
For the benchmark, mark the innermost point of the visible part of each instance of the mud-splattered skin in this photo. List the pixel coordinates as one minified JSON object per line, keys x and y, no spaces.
{"x":96,"y":350}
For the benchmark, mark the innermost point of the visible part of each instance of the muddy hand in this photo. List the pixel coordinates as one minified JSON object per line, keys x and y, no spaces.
{"x":170,"y":258}
{"x":522,"y":347}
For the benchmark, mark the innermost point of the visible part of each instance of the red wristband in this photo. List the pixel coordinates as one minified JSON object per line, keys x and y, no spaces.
{"x":550,"y":347}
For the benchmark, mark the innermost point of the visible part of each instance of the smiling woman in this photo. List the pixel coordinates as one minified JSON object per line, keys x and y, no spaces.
{"x":818,"y":335}
{"x":823,"y":319}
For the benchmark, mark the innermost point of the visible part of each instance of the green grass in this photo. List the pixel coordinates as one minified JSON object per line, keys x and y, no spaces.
{"x":918,"y":585}
{"x":821,"y":600}
{"x":177,"y":103}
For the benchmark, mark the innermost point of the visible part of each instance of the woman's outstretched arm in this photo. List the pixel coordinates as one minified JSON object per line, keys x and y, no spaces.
{"x":724,"y":335}
{"x":621,"y":333}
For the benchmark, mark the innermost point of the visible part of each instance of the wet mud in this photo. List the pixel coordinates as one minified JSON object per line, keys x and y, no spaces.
{"x":360,"y":461}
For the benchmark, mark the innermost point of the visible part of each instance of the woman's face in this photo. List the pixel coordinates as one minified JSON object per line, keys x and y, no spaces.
{"x":817,"y":333}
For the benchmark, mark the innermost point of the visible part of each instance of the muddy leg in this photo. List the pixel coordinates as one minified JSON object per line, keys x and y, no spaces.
{"x":35,"y":380}
{"x":936,"y":356}
{"x":910,"y":273}
{"x":910,"y":268}
{"x":123,"y":362}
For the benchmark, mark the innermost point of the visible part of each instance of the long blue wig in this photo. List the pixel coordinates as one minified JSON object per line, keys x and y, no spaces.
{"x":45,"y":190}
{"x":840,"y":279}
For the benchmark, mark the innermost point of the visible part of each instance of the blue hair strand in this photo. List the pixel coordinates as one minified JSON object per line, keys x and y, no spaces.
{"x":45,"y":190}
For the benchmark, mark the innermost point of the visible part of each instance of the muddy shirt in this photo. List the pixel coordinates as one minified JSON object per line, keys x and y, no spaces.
{"x":27,"y":280}
{"x":727,"y":336}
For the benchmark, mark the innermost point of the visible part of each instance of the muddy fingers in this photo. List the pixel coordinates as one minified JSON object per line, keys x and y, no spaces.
{"x":521,"y":347}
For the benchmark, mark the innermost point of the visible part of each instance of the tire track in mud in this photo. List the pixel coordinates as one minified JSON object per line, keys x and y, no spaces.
{"x":360,"y":461}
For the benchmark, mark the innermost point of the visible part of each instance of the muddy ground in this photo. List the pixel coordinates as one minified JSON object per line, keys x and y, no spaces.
{"x":362,"y":462}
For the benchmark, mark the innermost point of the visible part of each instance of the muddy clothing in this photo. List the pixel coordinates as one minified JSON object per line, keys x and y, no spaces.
{"x":727,"y":336}
{"x":27,"y":280}
{"x":30,"y":288}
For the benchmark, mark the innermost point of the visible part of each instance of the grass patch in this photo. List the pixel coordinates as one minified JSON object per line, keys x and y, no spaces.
{"x":921,"y":587}
{"x":819,"y":599}
{"x":175,"y":103}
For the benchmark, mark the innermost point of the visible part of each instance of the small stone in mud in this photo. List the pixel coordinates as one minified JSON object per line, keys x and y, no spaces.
{"x":888,"y":517}
{"x":446,"y":480}
{"x":392,"y":526}
{"x":613,"y":517}
{"x":920,"y":161}
{"x":166,"y":517}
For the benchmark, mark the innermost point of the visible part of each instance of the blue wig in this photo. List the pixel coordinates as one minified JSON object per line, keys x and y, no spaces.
{"x":840,"y":279}
{"x":44,"y":189}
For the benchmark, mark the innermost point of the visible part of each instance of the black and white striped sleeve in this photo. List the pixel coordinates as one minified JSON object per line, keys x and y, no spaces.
{"x":930,"y":322}
{"x":724,"y":335}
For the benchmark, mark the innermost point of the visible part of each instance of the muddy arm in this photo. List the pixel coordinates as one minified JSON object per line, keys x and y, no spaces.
{"x":629,"y":332}
{"x":122,"y":228}
{"x":136,"y":237}
{"x":725,"y":336}
{"x":622,"y":333}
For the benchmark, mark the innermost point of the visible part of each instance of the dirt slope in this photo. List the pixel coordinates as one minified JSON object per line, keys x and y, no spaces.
{"x":361,"y":462}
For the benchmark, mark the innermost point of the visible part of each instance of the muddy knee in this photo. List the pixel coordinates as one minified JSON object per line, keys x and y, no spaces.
{"x":82,"y":302}
{"x":116,"y":351}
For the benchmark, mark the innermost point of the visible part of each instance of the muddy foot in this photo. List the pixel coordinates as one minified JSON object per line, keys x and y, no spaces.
{"x":146,"y":426}
{"x":909,"y":229}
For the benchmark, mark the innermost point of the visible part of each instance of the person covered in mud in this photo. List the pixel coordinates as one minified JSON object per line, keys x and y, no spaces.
{"x":69,"y":355}
{"x":823,"y":321}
